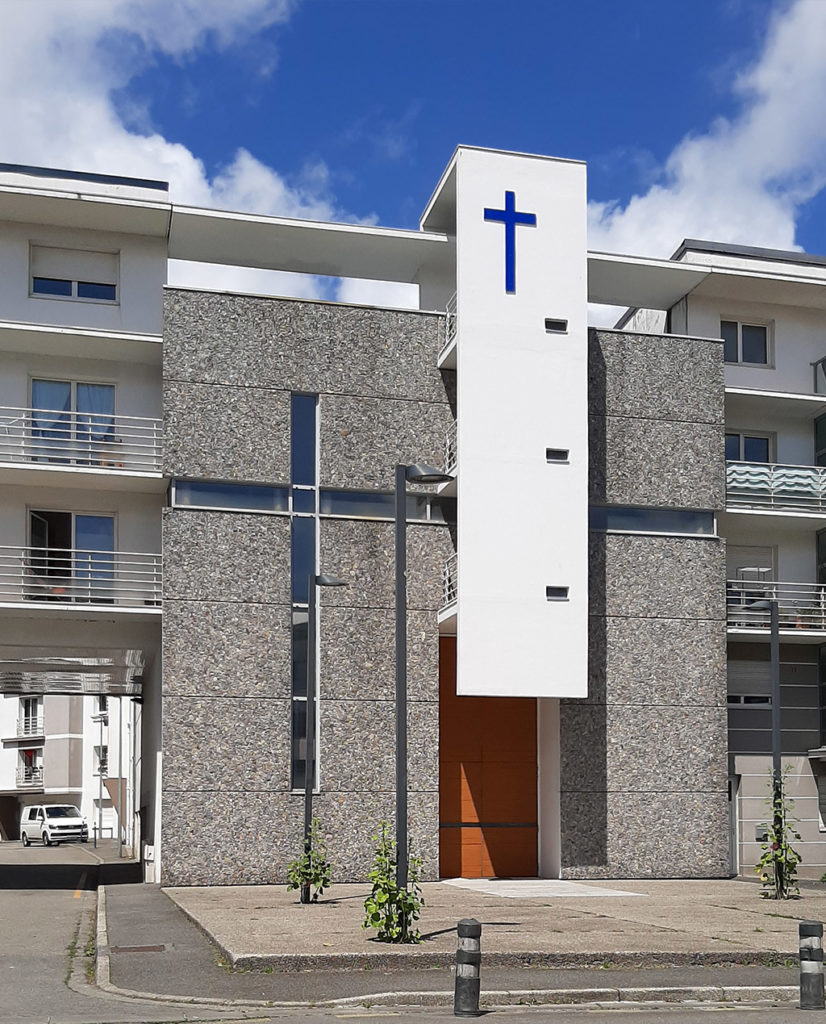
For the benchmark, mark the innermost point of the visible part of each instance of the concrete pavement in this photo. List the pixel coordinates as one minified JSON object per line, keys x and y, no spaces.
{"x":542,"y":943}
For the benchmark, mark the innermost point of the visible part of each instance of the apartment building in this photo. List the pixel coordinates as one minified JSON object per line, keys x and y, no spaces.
{"x":178,"y":463}
{"x":69,"y":749}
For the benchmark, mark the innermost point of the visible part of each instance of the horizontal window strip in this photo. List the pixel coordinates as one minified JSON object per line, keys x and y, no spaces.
{"x":634,"y":519}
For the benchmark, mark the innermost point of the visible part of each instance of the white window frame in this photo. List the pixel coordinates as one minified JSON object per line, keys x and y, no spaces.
{"x":74,"y":297}
{"x":762,"y":435}
{"x":750,"y":322}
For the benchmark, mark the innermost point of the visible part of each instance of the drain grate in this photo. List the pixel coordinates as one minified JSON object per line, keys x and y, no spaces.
{"x":137,"y":949}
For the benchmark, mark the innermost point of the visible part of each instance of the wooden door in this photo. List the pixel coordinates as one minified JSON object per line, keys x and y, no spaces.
{"x":487,"y":785}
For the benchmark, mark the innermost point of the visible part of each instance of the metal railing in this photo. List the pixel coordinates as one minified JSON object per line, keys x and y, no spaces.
{"x":450,"y":582}
{"x":451,"y":451}
{"x":799,"y":605}
{"x":29,"y":776}
{"x":30,"y":726}
{"x":767,"y":486}
{"x":92,"y":440}
{"x":126,"y":579}
{"x":451,"y":321}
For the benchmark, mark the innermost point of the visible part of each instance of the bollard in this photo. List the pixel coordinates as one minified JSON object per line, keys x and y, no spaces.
{"x":468,"y":965}
{"x":811,"y":966}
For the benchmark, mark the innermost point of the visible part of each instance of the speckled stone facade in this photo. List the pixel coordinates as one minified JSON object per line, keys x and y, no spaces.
{"x":230,"y":364}
{"x":643,"y":758}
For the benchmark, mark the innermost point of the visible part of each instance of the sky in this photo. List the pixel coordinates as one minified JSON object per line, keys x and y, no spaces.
{"x":697,"y":118}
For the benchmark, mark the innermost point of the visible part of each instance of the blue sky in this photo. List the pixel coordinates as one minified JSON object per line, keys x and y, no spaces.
{"x":696,"y":117}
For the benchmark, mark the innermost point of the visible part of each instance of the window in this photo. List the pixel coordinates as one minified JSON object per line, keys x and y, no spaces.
{"x":72,"y":421}
{"x":230,"y":496}
{"x":70,"y":557}
{"x":745,"y":343}
{"x":102,"y":760}
{"x":682,"y":522}
{"x":74,"y":274}
{"x":748,"y":447}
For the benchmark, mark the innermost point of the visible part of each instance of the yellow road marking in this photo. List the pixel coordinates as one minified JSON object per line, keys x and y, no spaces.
{"x":80,"y":884}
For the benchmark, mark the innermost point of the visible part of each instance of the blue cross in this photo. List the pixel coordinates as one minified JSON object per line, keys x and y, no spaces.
{"x":510,"y":217}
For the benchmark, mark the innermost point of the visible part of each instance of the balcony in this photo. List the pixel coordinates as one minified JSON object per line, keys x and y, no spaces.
{"x":56,"y":578}
{"x":801,"y":608}
{"x":30,"y":727}
{"x":450,"y":596}
{"x":766,"y":487}
{"x":29,"y":777}
{"x":70,"y":443}
{"x":447,"y":356}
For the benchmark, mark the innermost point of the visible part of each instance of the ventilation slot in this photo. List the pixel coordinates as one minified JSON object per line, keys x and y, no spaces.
{"x":557,"y":454}
{"x":556,"y":326}
{"x":556,"y":593}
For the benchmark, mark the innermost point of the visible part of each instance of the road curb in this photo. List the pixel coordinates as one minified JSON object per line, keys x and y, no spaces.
{"x":512,"y":997}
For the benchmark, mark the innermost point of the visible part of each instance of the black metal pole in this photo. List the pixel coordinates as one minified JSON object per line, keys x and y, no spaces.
{"x":401,"y":676}
{"x":811,"y":965}
{"x":777,"y":767}
{"x":309,"y":746}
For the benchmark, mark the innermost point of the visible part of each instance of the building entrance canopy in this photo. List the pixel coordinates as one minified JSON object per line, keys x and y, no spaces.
{"x":115,"y":672}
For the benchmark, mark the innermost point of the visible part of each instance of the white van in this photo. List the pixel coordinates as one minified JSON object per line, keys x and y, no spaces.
{"x":52,"y":823}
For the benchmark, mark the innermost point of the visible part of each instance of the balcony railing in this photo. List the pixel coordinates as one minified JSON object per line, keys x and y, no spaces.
{"x":768,"y":487}
{"x":450,"y":582}
{"x":54,"y":437}
{"x":450,"y":320}
{"x":799,"y":605}
{"x":124,"y":579}
{"x":451,"y":452}
{"x":29,"y":776}
{"x":30,"y":726}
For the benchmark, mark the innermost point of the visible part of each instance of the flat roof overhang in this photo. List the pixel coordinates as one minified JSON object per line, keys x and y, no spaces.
{"x":638,"y":282}
{"x":303,"y":246}
{"x":82,"y":210}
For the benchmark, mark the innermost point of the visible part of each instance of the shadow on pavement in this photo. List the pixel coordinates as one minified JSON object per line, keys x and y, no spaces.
{"x":68,"y":875}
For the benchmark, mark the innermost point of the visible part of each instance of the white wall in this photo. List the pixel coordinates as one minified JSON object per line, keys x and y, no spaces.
{"x":142,"y":275}
{"x":522,"y":522}
{"x":795,"y":554}
{"x":799,"y":337}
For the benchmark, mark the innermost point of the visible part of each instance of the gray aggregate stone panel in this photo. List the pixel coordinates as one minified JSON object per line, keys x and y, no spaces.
{"x":235,"y":743}
{"x":226,"y":433}
{"x":645,"y":835}
{"x":363,"y":553}
{"x":223,"y":556}
{"x":638,"y":749}
{"x":656,"y":463}
{"x":298,"y":345}
{"x":358,"y":653}
{"x":362,"y":439}
{"x":664,"y":377}
{"x":656,"y":577}
{"x":652,"y":661}
{"x":226,"y":649}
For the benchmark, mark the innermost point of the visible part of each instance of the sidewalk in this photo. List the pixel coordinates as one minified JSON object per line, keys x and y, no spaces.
{"x":542,"y":942}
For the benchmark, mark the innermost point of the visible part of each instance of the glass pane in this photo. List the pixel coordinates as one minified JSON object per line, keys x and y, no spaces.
{"x":303,"y":501}
{"x":732,"y":447}
{"x":243,"y":497}
{"x":299,"y":746}
{"x":756,"y":449}
{"x":651,"y":520}
{"x":51,"y":286}
{"x":94,"y":568}
{"x":754,"y":344}
{"x":728,"y":332}
{"x":363,"y":504}
{"x":299,"y":653}
{"x":93,"y":290}
{"x":303,"y":557}
{"x":51,"y":420}
{"x":303,"y":439}
{"x":416,"y":507}
{"x":95,"y":413}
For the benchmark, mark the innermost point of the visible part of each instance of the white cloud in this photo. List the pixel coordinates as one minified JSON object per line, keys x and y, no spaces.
{"x":62,"y":64}
{"x":745,"y":178}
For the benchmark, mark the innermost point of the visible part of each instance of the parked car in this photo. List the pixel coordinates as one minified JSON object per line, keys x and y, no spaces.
{"x":52,"y":824}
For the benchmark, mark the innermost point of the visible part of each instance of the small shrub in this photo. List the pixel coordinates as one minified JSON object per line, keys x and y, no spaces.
{"x":390,"y":910}
{"x":312,"y":870}
{"x":777,"y":866}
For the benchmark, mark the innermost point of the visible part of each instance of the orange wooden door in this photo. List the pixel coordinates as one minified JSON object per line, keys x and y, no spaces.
{"x":487,"y":783}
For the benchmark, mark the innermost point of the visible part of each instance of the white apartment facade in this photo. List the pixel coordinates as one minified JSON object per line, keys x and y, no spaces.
{"x":248,"y":440}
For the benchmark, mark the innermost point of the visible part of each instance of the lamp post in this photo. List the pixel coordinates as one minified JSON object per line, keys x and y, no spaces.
{"x":419,"y":474}
{"x":309,"y":760}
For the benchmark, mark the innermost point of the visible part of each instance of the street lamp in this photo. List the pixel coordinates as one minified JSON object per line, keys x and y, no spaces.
{"x":314,"y":581}
{"x":418,"y":474}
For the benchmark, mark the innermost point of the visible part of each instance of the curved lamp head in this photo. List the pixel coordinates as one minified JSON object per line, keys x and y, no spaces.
{"x":325,"y":580}
{"x":421,"y":473}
